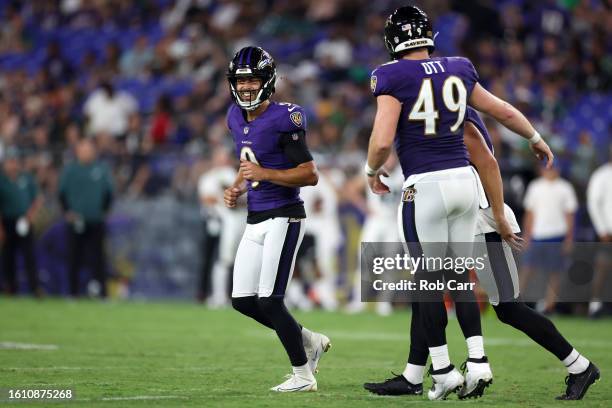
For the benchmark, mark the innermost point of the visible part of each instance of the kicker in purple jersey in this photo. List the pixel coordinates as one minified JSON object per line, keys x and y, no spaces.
{"x":259,"y":142}
{"x":474,"y":117}
{"x":426,"y":88}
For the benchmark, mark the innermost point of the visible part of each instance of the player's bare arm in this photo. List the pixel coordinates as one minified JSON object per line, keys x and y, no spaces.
{"x":488,"y":170}
{"x":513,"y":119}
{"x":385,"y":124}
{"x":304,"y":174}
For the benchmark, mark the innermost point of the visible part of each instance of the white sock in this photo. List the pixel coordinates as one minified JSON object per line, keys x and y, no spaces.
{"x":306,"y":336}
{"x":439,"y":357}
{"x":414,"y":373}
{"x":575,"y":363}
{"x":475,"y":347}
{"x":303,"y":372}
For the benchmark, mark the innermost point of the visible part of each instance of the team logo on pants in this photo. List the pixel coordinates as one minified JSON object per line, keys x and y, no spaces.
{"x":408,"y":195}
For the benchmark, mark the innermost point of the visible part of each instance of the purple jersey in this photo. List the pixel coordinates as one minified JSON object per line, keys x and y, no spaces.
{"x":434,"y":94}
{"x":260,"y":142}
{"x":474,"y":117}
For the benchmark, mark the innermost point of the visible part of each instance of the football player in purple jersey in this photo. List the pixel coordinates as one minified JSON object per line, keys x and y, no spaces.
{"x":421,"y":107}
{"x":270,"y":140}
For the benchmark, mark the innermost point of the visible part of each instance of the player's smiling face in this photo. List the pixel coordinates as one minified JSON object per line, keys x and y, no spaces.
{"x":247,"y":88}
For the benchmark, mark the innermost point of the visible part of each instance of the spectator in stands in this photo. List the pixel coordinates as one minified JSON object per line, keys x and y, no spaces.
{"x":599,"y":203}
{"x":550,"y":204}
{"x":86,"y":194}
{"x":108,"y":112}
{"x":19,"y":203}
{"x":161,"y":122}
{"x":137,"y":60}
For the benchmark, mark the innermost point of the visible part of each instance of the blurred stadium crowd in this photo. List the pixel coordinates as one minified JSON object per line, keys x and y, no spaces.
{"x":146,"y":81}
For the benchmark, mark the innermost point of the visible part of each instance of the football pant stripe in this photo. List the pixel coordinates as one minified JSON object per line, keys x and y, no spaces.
{"x":410,"y":231}
{"x":502,"y":264}
{"x":286,"y":259}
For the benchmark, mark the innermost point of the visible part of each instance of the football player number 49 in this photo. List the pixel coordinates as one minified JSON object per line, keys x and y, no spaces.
{"x":246,"y":153}
{"x":454,"y":96}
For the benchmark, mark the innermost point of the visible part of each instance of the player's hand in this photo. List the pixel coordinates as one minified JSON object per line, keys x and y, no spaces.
{"x":542,"y":151}
{"x":505,"y":231}
{"x":231,"y":195}
{"x":252,"y":171}
{"x":376,"y":184}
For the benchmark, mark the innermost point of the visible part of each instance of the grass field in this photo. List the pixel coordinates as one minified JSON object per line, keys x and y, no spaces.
{"x":180,"y":355}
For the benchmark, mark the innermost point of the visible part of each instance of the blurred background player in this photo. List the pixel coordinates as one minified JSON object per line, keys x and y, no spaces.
{"x":550,"y":206}
{"x":380,"y":226}
{"x":86,"y":194}
{"x":599,"y":204}
{"x":228,"y":222}
{"x":322,"y":236}
{"x":20,"y":201}
{"x":270,"y":140}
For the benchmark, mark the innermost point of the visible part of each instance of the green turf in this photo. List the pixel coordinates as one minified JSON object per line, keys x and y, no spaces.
{"x":185,"y":355}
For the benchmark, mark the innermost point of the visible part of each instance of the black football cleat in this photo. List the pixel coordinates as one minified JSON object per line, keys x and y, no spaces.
{"x":578,"y":384}
{"x":397,"y":385}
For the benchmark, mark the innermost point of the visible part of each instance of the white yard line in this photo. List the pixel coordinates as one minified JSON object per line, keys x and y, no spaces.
{"x":143,"y":397}
{"x":489,"y":341}
{"x":10,"y":345}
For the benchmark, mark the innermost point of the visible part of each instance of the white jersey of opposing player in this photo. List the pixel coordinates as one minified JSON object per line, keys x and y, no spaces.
{"x":321,"y":205}
{"x":213,"y":183}
{"x":233,"y":220}
{"x":599,"y":199}
{"x":486,"y":222}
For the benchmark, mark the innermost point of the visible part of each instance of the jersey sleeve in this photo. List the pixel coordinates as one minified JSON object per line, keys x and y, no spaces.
{"x":292,"y":118}
{"x":294,"y":147}
{"x":468,"y":73}
{"x":380,"y":82}
{"x":571,"y":202}
{"x":206,"y":186}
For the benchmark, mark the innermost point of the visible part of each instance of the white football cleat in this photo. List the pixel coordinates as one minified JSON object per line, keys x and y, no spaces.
{"x":477,"y":378}
{"x":296,"y":383}
{"x":444,"y":384}
{"x":319,"y":344}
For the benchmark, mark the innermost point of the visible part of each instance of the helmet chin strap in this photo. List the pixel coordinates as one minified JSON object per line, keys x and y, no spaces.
{"x":252,"y":106}
{"x":249,"y":106}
